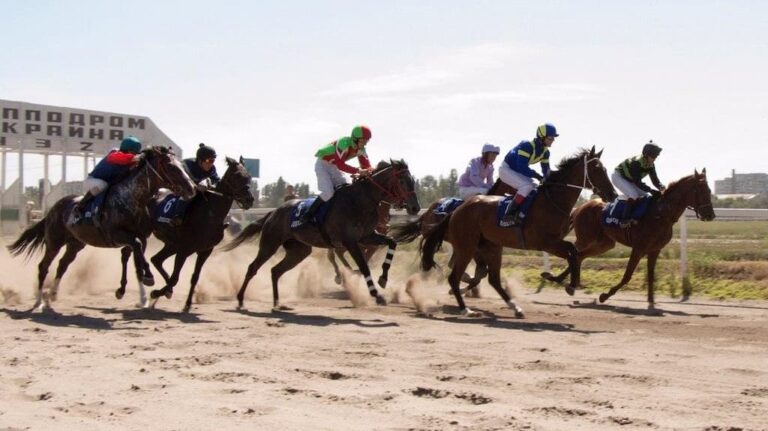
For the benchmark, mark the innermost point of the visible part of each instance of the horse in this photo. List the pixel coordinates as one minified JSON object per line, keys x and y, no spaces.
{"x":350,"y":221}
{"x":409,"y":231}
{"x":472,"y":228}
{"x":202,"y":228}
{"x":124,"y":217}
{"x":652,"y":233}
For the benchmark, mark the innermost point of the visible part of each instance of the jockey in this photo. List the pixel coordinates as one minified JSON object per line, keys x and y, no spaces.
{"x":332,"y":159}
{"x":628,"y":179}
{"x":477,"y":179}
{"x":515,"y":172}
{"x":201,"y":168}
{"x":202,"y":172}
{"x":110,"y":168}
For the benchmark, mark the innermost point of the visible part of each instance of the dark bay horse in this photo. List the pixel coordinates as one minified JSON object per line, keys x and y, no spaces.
{"x":648,"y":237}
{"x":350,"y":221}
{"x":472,"y":228}
{"x":124,"y":218}
{"x":202,"y":228}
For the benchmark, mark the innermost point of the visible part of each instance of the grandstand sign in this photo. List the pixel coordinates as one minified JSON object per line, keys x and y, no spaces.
{"x":45,"y":129}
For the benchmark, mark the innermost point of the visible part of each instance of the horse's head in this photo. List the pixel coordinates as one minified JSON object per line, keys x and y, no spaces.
{"x":236,"y":183}
{"x":395,"y":180}
{"x":695,"y":193}
{"x":584,"y":170}
{"x":597,"y":176}
{"x":168,"y":172}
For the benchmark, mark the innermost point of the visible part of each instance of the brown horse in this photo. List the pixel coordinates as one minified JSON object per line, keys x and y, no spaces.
{"x":350,"y":221}
{"x":407,"y":232}
{"x":124,"y":221}
{"x":473,"y":229}
{"x":648,"y":237}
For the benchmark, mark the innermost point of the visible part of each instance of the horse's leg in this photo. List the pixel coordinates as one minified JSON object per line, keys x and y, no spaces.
{"x":139,"y":264}
{"x":125,"y":254}
{"x":481,"y":270}
{"x":332,"y":259}
{"x":491,"y":254}
{"x":340,"y":254}
{"x":651,"y":259}
{"x":167,"y":290}
{"x":354,"y":250}
{"x":372,"y":242}
{"x":266,"y":250}
{"x":566,"y":250}
{"x":73,"y":247}
{"x":149,"y":279}
{"x":295,"y":252}
{"x":634,"y":259}
{"x":202,"y":256}
{"x":160,"y":257}
{"x":51,"y":250}
{"x":461,"y":259}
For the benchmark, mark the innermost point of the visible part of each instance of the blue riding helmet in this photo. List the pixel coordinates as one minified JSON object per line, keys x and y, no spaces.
{"x":131,"y":144}
{"x":545,"y":130}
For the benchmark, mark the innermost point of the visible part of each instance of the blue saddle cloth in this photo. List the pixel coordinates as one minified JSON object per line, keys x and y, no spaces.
{"x":613,"y":211}
{"x":303,"y":207}
{"x":447,"y":206}
{"x":522,"y":209}
{"x":170,"y":207}
{"x":92,"y":208}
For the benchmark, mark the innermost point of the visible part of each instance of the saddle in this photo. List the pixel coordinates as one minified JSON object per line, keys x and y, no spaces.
{"x":303,"y":206}
{"x":612,"y":213}
{"x":521,"y":209}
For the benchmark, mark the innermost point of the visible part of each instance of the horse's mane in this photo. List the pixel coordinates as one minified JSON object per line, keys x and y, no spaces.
{"x":674,"y":184}
{"x":568,"y":162}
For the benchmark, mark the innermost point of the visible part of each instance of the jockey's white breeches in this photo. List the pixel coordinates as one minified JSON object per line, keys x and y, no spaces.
{"x":328,"y":178}
{"x":629,"y":189}
{"x":94,"y":185}
{"x":523,"y":184}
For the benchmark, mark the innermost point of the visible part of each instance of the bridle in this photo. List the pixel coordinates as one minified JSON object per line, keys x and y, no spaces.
{"x":586,"y":184}
{"x":238,"y":197}
{"x":162,"y":174}
{"x":399,"y":195}
{"x":696,"y":207}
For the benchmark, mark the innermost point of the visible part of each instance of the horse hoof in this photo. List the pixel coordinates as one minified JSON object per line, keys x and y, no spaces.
{"x":148,"y":280}
{"x":547,"y":276}
{"x":383,"y":282}
{"x":155,"y":294}
{"x":519,"y":315}
{"x":380,"y":300}
{"x":470,"y":313}
{"x":169,"y":293}
{"x":282,"y":308}
{"x":603,"y":297}
{"x":119,"y":293}
{"x":570,"y":290}
{"x":185,"y":310}
{"x":337,"y":279}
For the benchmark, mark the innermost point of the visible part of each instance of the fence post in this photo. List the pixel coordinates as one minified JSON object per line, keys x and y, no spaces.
{"x":685,"y":281}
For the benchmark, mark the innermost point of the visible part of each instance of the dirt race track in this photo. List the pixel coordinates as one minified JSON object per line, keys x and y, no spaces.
{"x":102,"y":364}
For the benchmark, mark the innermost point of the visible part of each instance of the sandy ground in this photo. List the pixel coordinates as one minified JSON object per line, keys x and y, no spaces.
{"x":335,"y":363}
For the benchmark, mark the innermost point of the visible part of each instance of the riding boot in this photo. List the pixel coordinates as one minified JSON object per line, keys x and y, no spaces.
{"x":511,"y":213}
{"x":626,"y":220}
{"x":79,"y":208}
{"x":307,"y":216}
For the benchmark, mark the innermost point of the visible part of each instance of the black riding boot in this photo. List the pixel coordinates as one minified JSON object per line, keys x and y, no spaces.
{"x":79,"y":208}
{"x":511,"y":215}
{"x":307,"y":216}
{"x":626,"y":221}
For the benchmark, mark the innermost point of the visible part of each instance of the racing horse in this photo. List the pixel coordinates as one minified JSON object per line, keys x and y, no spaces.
{"x":350,"y":221}
{"x":202,"y":228}
{"x":473,"y":228}
{"x":123,"y":219}
{"x":648,"y":237}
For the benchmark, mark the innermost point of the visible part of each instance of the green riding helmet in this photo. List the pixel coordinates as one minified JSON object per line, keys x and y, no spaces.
{"x":361,"y":132}
{"x":131,"y":144}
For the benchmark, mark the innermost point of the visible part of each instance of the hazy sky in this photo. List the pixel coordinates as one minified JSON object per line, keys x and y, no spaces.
{"x":433,"y":79}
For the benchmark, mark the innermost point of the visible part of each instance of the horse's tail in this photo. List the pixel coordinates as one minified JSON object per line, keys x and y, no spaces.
{"x":432,"y":242}
{"x":407,"y":232}
{"x":30,"y":240}
{"x":250,"y":231}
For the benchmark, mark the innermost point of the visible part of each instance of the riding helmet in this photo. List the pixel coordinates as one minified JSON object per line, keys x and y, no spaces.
{"x":131,"y":144}
{"x":651,"y":150}
{"x":361,"y":132}
{"x":205,"y":152}
{"x":545,"y":130}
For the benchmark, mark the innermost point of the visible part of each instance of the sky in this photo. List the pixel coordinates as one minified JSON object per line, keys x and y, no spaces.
{"x":434,"y":80}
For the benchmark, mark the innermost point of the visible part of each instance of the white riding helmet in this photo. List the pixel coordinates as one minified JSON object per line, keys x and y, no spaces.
{"x":488,"y":148}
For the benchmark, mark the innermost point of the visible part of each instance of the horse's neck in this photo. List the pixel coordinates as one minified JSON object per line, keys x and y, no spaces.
{"x":673,"y":204}
{"x":140,"y":186}
{"x":564,"y":199}
{"x":366,"y":195}
{"x":219,"y":204}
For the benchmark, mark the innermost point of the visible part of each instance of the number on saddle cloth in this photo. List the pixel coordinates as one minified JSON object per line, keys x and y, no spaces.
{"x":303,"y":207}
{"x":447,"y":205}
{"x":522,"y":208}
{"x":613,"y":212}
{"x":170,"y":207}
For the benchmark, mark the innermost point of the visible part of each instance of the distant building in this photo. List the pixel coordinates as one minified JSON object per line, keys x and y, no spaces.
{"x":742,"y":184}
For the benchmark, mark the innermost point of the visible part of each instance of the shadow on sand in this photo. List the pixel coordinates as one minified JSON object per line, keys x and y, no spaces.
{"x":630,"y":311}
{"x":139,"y":314}
{"x":314,"y":320}
{"x":53,"y":318}
{"x":491,"y":320}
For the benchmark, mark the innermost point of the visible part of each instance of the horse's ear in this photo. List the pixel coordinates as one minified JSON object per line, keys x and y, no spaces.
{"x":242,"y":162}
{"x":695,"y":172}
{"x":592,"y":151}
{"x":230,"y":161}
{"x":599,"y":154}
{"x":704,"y":172}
